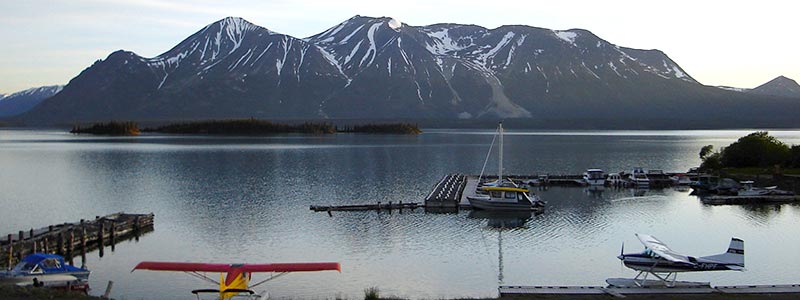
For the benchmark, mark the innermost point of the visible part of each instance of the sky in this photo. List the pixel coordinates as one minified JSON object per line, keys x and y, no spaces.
{"x":732,"y":43}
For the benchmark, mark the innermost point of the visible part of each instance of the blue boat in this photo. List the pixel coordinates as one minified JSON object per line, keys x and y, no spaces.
{"x":42,"y":267}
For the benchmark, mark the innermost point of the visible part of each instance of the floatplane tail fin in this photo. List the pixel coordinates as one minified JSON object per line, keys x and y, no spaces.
{"x":733,"y":257}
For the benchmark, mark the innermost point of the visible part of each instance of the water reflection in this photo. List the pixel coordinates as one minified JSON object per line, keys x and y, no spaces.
{"x":502,"y":219}
{"x":246,"y":200}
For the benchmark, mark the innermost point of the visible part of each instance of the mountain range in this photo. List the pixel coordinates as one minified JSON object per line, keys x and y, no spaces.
{"x":20,"y":102}
{"x":380,"y":68}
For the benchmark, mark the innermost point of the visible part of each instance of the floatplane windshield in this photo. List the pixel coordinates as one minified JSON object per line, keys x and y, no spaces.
{"x":234,"y":279}
{"x":663,"y":263}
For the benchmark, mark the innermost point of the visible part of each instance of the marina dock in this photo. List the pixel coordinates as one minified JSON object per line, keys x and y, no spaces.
{"x":378,"y":206}
{"x":721,"y":200}
{"x":72,"y":239}
{"x":567,"y":292}
{"x":447,"y":193}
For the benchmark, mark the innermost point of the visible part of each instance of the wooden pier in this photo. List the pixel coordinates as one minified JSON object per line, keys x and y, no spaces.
{"x":359,"y":207}
{"x":74,"y":239}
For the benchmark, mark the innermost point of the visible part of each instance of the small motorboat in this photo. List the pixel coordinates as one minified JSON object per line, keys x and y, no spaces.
{"x":42,"y":268}
{"x":505,"y":199}
{"x":594,"y":177}
{"x":638,"y":178}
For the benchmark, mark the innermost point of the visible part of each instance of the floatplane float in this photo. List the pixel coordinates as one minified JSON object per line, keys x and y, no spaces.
{"x":664,"y":264}
{"x":234,"y":279}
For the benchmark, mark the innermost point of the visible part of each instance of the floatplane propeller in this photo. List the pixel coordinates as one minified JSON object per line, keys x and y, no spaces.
{"x":664,"y":264}
{"x":234,"y":279}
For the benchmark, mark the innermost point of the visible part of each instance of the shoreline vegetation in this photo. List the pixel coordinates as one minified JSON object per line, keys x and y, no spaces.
{"x":117,"y":128}
{"x":246,"y":127}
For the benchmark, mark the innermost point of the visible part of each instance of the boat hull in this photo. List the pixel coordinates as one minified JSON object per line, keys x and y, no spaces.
{"x":6,"y":277}
{"x":488,"y":204}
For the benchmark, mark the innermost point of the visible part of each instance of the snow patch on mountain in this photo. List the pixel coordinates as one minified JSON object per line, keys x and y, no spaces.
{"x":371,"y":51}
{"x":566,"y":36}
{"x":483,"y":58}
{"x":394,"y":24}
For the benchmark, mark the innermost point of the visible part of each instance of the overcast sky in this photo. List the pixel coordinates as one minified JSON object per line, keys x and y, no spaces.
{"x":733,"y":43}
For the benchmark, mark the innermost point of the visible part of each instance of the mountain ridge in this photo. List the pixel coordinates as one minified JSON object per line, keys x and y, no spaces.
{"x":369,"y":67}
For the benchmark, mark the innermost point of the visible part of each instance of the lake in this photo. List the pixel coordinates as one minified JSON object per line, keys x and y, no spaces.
{"x":246,"y":199}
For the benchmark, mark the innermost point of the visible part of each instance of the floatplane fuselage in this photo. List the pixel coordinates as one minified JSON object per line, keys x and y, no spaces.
{"x":663,"y":263}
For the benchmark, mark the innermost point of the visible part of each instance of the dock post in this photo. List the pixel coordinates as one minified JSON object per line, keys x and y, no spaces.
{"x":71,"y":247}
{"x":10,"y":251}
{"x":108,"y":290}
{"x":113,"y":234}
{"x":83,"y":245}
{"x":390,"y":207}
{"x":379,"y":206}
{"x":401,"y":206}
{"x":60,"y":250}
{"x":100,"y":238}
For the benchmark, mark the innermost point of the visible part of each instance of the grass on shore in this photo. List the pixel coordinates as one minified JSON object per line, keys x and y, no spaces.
{"x":13,"y":292}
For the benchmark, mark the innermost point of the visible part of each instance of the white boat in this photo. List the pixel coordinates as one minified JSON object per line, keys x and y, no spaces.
{"x":639,"y":178}
{"x":681,"y":180}
{"x":747,"y":189}
{"x":505,"y":199}
{"x":503,"y":194}
{"x":615,"y":179}
{"x":594,"y":177}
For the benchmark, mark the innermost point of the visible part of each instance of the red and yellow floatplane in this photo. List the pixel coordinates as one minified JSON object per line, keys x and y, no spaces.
{"x":234,"y":279}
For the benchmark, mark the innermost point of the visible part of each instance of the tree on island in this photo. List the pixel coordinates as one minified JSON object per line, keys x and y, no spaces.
{"x":757,"y":149}
{"x":109,"y":128}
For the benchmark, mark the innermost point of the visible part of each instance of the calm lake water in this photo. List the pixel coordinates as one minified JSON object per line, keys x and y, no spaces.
{"x":245,"y":199}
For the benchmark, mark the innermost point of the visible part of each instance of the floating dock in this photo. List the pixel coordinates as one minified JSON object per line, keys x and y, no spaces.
{"x":447,"y":193}
{"x":720,"y":199}
{"x":567,"y":292}
{"x":378,"y":206}
{"x":72,"y":239}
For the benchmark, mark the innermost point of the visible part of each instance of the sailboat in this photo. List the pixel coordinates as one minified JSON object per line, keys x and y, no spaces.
{"x":503,"y":194}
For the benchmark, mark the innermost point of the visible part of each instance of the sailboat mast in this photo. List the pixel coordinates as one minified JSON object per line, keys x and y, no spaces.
{"x":500,"y":167}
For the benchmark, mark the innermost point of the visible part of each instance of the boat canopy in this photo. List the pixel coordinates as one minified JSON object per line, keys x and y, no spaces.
{"x":42,"y":262}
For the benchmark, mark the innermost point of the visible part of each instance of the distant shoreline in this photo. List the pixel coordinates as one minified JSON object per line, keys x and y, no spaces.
{"x":251,"y":126}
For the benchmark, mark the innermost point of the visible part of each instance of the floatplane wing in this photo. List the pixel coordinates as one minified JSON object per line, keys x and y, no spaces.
{"x":235,"y":278}
{"x":658,"y":247}
{"x":227,"y":268}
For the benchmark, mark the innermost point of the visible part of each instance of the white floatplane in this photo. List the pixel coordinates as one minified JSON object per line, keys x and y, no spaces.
{"x":664,"y":263}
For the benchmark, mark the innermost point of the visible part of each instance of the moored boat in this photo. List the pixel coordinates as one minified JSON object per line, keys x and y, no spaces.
{"x":638,"y":178}
{"x":505,"y":198}
{"x":594,"y":177}
{"x":42,"y":267}
{"x":503,"y":194}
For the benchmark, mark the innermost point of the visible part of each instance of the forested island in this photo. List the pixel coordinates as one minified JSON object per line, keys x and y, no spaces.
{"x":262,"y":127}
{"x":108,"y":128}
{"x":395,"y":128}
{"x":243,"y":127}
{"x":754,"y":153}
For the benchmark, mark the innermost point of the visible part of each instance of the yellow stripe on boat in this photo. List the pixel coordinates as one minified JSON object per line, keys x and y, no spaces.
{"x":504,"y":189}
